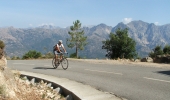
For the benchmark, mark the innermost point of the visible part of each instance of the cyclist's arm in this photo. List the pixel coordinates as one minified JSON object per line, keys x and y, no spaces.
{"x":63,"y":48}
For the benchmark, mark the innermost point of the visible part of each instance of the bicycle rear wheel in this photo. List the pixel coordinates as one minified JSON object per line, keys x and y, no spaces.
{"x":53,"y":63}
{"x":64,"y":63}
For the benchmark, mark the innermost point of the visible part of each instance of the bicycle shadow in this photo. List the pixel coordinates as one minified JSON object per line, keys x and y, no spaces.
{"x":43,"y":68}
{"x":164,"y":72}
{"x":46,"y":68}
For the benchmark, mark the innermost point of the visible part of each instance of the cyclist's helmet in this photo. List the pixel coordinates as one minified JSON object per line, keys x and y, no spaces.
{"x":60,"y":41}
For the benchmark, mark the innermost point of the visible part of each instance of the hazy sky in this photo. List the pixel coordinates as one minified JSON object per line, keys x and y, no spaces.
{"x":62,"y":13}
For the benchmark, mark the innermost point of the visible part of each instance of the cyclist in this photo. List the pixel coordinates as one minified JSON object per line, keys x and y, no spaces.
{"x":58,"y":51}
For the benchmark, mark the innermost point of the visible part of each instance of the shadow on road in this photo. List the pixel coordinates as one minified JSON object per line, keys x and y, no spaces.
{"x":164,"y":72}
{"x":42,"y":68}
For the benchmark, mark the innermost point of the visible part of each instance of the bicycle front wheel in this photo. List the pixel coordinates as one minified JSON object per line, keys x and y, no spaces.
{"x":64,"y":63}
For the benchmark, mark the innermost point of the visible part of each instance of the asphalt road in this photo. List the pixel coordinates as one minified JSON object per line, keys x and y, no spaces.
{"x":129,"y":81}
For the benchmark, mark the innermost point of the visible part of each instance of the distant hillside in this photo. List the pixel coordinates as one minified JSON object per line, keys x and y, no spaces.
{"x":19,"y":41}
{"x":147,"y":35}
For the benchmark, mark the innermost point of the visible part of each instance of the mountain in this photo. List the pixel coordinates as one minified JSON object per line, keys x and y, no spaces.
{"x":48,"y":27}
{"x":19,"y":41}
{"x":146,"y":35}
{"x":95,"y":36}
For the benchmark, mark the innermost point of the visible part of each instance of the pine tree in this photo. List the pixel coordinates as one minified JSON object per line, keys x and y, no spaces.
{"x":77,"y":38}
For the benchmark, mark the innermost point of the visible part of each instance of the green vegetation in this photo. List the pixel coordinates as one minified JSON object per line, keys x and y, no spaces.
{"x":73,"y":55}
{"x":2,"y":45}
{"x":32,"y":54}
{"x":2,"y":90}
{"x":48,"y":55}
{"x":15,"y":58}
{"x":77,"y":38}
{"x":166,"y":50}
{"x":119,"y":45}
{"x":159,"y":51}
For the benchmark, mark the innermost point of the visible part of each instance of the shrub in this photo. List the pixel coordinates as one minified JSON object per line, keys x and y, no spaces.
{"x":15,"y":58}
{"x":166,"y":50}
{"x":32,"y":54}
{"x":73,"y":55}
{"x":49,"y":55}
{"x":2,"y":45}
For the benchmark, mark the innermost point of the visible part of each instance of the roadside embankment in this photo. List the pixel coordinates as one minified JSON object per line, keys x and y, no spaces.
{"x":83,"y":92}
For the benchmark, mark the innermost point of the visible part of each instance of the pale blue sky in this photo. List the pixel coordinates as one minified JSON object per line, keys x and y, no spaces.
{"x":62,"y":13}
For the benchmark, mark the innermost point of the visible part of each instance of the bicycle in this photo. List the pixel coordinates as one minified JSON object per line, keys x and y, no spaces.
{"x":63,"y":62}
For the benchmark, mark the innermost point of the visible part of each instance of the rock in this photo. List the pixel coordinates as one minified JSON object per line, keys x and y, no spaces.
{"x":69,"y":97}
{"x":42,"y":82}
{"x":32,"y":81}
{"x":147,"y":59}
{"x":25,"y":78}
{"x":49,"y":85}
{"x":58,"y":90}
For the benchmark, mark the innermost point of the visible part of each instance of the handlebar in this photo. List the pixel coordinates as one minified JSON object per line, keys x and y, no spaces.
{"x":64,"y":52}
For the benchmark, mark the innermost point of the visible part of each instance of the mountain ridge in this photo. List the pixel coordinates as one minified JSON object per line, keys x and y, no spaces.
{"x":20,"y":40}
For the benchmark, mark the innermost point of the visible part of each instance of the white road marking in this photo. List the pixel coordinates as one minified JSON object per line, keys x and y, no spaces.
{"x":104,"y":72}
{"x":48,"y":65}
{"x":22,"y":64}
{"x":156,"y":79}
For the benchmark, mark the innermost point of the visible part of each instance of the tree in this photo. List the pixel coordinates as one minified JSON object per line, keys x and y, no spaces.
{"x":77,"y":38}
{"x":119,"y":45}
{"x":166,"y":49}
{"x":32,"y":54}
{"x":156,"y":51}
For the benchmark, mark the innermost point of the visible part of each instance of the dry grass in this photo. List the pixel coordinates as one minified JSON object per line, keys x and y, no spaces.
{"x":28,"y":91}
{"x":12,"y":87}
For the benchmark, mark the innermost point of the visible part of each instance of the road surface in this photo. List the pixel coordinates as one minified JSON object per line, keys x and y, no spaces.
{"x":133,"y":82}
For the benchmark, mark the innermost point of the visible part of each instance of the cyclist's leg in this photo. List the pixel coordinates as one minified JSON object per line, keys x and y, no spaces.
{"x":61,"y":56}
{"x":56,"y":57}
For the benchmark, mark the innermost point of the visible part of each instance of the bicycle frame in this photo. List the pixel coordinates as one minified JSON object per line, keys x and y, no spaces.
{"x":64,"y":64}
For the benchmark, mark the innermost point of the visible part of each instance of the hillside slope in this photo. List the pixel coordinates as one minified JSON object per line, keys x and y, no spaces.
{"x":147,"y":35}
{"x":12,"y":87}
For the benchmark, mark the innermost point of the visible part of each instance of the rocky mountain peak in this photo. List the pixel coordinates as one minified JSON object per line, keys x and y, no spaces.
{"x":47,"y":26}
{"x":146,"y":35}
